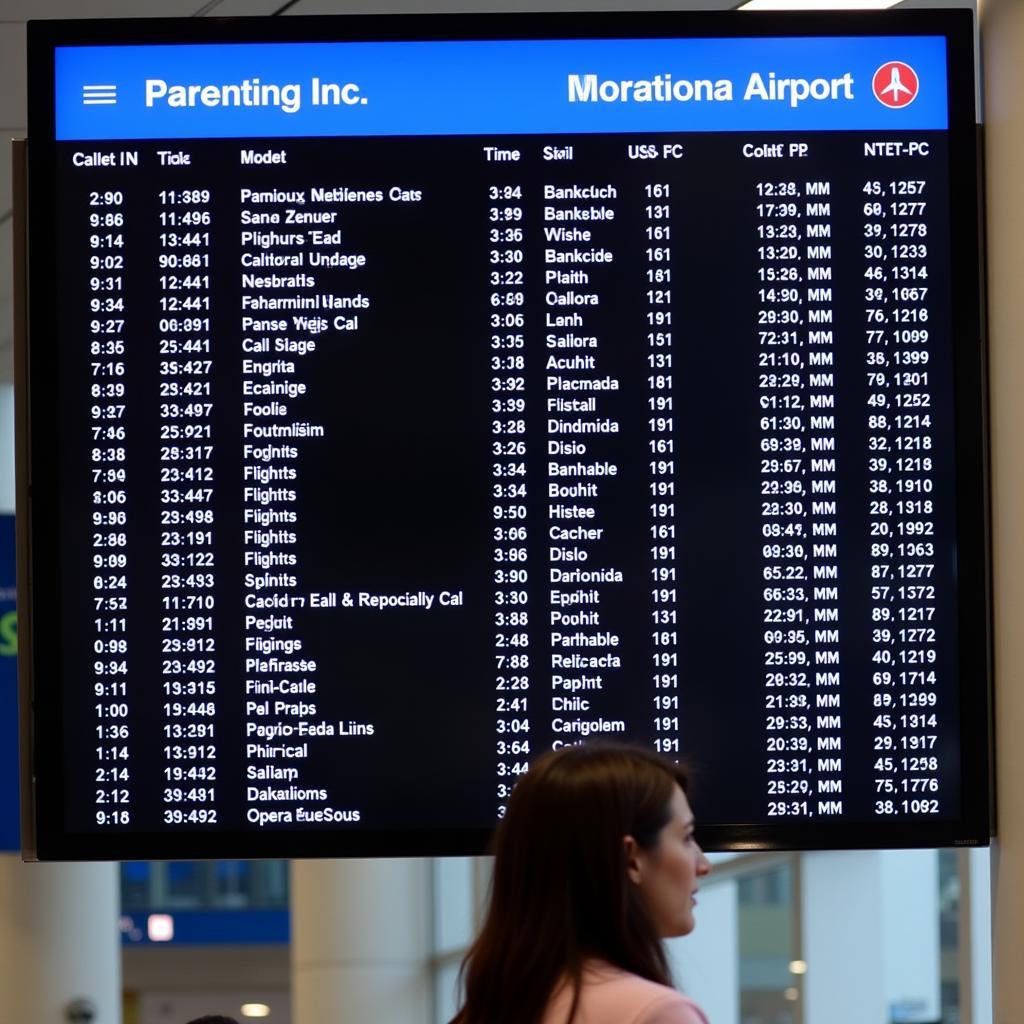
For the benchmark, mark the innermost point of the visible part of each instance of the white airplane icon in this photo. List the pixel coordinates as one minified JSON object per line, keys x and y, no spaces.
{"x":896,"y":86}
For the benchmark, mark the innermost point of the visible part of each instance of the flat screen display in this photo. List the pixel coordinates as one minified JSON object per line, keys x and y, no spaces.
{"x":407,"y":397}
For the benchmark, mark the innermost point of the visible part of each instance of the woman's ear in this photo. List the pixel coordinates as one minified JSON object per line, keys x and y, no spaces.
{"x":634,"y":859}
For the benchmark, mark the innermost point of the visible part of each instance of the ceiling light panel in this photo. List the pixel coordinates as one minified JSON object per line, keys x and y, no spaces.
{"x":817,"y":5}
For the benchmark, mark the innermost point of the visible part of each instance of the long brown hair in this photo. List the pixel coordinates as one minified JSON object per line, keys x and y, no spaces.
{"x":560,"y":891}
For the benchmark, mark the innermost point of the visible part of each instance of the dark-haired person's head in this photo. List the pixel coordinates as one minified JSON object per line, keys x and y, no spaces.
{"x":594,"y":858}
{"x":213,"y":1019}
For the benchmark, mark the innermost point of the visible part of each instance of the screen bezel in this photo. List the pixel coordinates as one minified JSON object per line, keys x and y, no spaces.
{"x":41,"y":662}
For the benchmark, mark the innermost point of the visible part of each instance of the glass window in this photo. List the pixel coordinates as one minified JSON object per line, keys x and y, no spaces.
{"x":767,"y":947}
{"x":218,"y":884}
{"x":949,"y":935}
{"x":231,"y":883}
{"x":185,"y":886}
{"x":136,"y":881}
{"x":842,"y":937}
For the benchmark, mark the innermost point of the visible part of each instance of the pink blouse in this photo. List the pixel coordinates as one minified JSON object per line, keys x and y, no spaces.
{"x":610,"y":995}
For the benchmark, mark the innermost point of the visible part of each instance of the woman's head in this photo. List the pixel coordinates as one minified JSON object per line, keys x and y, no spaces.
{"x":607,"y":832}
{"x":666,"y":874}
{"x":595,"y":857}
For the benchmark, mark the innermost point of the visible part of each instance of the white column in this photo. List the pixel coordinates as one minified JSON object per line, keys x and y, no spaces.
{"x":1002,"y":42}
{"x":58,"y":941}
{"x":870,"y":926}
{"x":910,"y":932}
{"x":58,"y":922}
{"x":844,"y":983}
{"x":706,"y":965}
{"x":361,"y":942}
{"x":458,"y":901}
{"x":980,"y":925}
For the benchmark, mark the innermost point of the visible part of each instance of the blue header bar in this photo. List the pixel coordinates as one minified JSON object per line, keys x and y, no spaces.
{"x":500,"y":87}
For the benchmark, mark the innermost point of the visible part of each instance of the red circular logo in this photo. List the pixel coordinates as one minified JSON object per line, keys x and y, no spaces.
{"x":895,"y":84}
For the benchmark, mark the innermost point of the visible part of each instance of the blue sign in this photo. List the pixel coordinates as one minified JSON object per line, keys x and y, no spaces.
{"x":496,"y":87}
{"x":206,"y":927}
